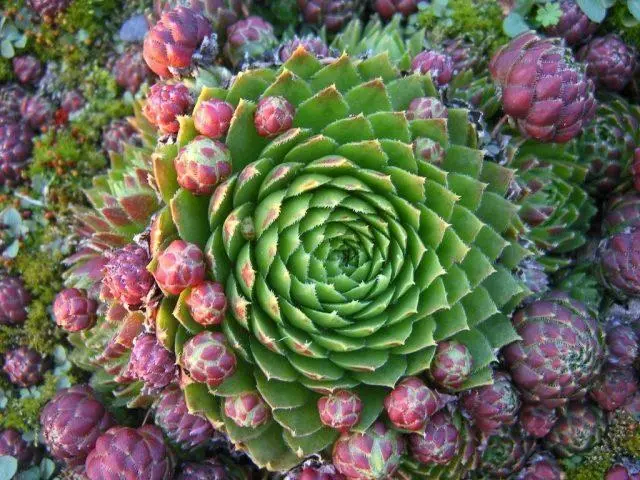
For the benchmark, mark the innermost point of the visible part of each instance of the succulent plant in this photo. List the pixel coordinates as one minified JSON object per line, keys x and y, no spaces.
{"x":424,"y":108}
{"x":610,"y":61}
{"x":411,"y":404}
{"x":274,"y":115}
{"x":506,"y":452}
{"x":438,"y":65}
{"x":465,"y":458}
{"x":579,"y":428}
{"x":165,"y":102}
{"x":11,"y":97}
{"x":247,"y":410}
{"x":332,"y":14}
{"x":555,"y":208}
{"x":74,"y":311}
{"x":479,"y":92}
{"x":241,"y":235}
{"x":388,"y":8}
{"x":536,"y":420}
{"x":207,"y":303}
{"x":181,"y":427}
{"x":619,"y":260}
{"x":207,"y":470}
{"x":529,"y":64}
{"x":451,"y":366}
{"x":14,"y":300}
{"x":607,"y":145}
{"x":439,"y":441}
{"x":171,"y":44}
{"x":249,"y":39}
{"x":622,"y":345}
{"x":150,"y":363}
{"x":24,"y":366}
{"x":212,"y":118}
{"x":492,"y":407}
{"x":581,"y":283}
{"x":48,"y":9}
{"x":112,"y":458}
{"x":573,"y":25}
{"x":130,"y":69}
{"x":340,"y":409}
{"x":614,"y":386}
{"x":117,"y":134}
{"x":542,"y":466}
{"x":27,"y":69}
{"x":72,"y":422}
{"x":560,"y":352}
{"x":36,"y":111}
{"x":200,"y":167}
{"x":15,"y":149}
{"x":126,"y":277}
{"x":14,"y":445}
{"x":310,"y":43}
{"x":374,"y":454}
{"x":621,"y":472}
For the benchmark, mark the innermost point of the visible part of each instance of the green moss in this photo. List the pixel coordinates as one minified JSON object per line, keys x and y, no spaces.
{"x":23,"y":414}
{"x":617,"y":21}
{"x":478,"y":20}
{"x":6,"y":70}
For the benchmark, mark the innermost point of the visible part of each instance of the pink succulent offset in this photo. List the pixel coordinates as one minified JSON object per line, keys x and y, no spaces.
{"x":72,"y":422}
{"x":274,"y":115}
{"x":411,"y":403}
{"x":438,"y":443}
{"x":622,"y":345}
{"x":574,"y":25}
{"x":213,"y":117}
{"x":207,"y":358}
{"x":14,"y":299}
{"x":202,"y":164}
{"x":24,"y":366}
{"x":620,"y":262}
{"x":12,"y":444}
{"x":121,"y":451}
{"x":559,"y":353}
{"x":170,"y":45}
{"x":425,"y":108}
{"x":207,"y":470}
{"x":451,"y":365}
{"x":165,"y":102}
{"x":374,"y":454}
{"x":310,"y":43}
{"x":207,"y":303}
{"x":172,"y":416}
{"x":248,"y":38}
{"x":74,"y":311}
{"x":537,"y":420}
{"x":72,"y":101}
{"x":614,"y":386}
{"x":130,"y":70}
{"x":621,"y":472}
{"x":492,"y":406}
{"x":388,"y":8}
{"x":543,"y":89}
{"x":15,"y":150}
{"x":438,"y":65}
{"x":610,"y":61}
{"x":542,"y":467}
{"x":180,"y":266}
{"x":37,"y":111}
{"x":126,"y":276}
{"x":27,"y":68}
{"x":151,"y":363}
{"x":579,"y":428}
{"x":117,"y":134}
{"x":247,"y":410}
{"x":340,"y":409}
{"x":319,"y":472}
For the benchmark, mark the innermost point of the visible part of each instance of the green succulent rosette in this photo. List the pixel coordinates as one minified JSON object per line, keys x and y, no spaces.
{"x":555,"y":208}
{"x":361,"y":258}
